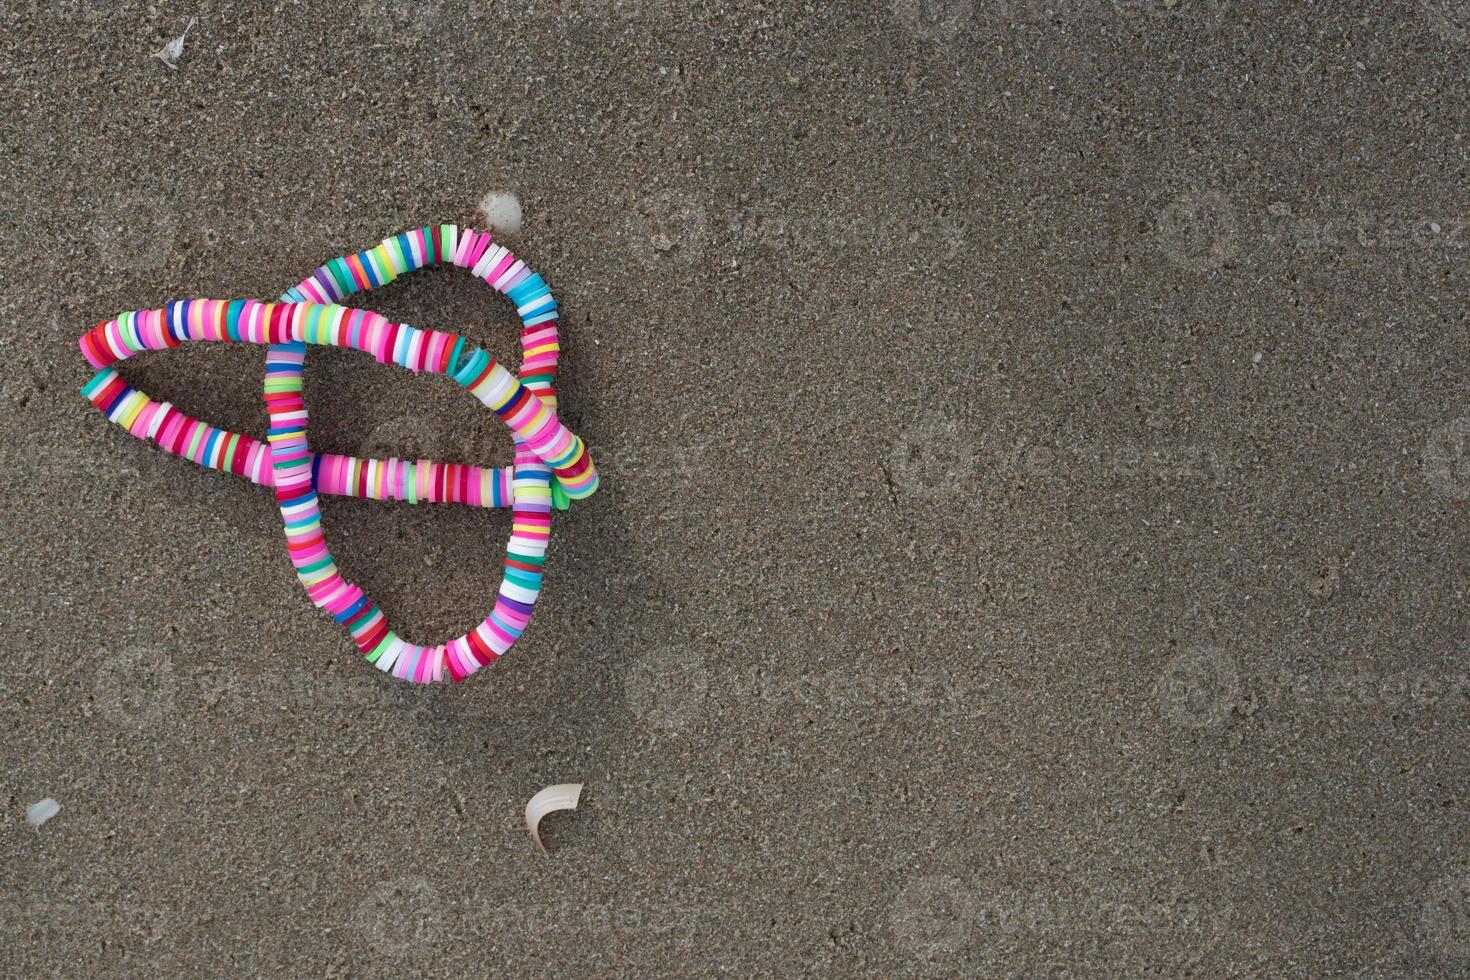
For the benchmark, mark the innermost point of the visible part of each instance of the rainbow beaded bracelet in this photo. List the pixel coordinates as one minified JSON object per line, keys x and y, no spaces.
{"x":551,"y":465}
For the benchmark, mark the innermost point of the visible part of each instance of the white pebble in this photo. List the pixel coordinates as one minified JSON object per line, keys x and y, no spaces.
{"x":502,"y":209}
{"x":39,"y":813}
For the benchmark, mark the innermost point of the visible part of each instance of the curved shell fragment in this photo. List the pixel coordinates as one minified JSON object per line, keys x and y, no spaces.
{"x":563,"y":796}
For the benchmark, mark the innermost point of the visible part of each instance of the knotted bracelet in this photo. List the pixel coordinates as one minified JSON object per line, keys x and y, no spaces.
{"x":551,"y":465}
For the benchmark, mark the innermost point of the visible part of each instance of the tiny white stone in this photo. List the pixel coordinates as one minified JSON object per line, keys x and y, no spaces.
{"x":1257,"y":358}
{"x":39,"y":813}
{"x":1434,"y":227}
{"x":502,"y":209}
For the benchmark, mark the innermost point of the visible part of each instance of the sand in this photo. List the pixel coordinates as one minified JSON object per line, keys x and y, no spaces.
{"x":1033,"y":536}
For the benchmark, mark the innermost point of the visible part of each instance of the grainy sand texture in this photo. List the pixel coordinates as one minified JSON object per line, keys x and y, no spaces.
{"x":1035,"y":440}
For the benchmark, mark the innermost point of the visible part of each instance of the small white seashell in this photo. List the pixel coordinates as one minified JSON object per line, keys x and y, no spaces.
{"x":174,"y":50}
{"x":563,"y":796}
{"x":39,"y":813}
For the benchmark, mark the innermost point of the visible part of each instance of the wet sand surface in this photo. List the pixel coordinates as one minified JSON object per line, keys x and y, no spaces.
{"x":1035,"y":443}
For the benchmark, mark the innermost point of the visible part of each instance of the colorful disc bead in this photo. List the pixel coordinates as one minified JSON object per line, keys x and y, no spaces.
{"x":551,"y":464}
